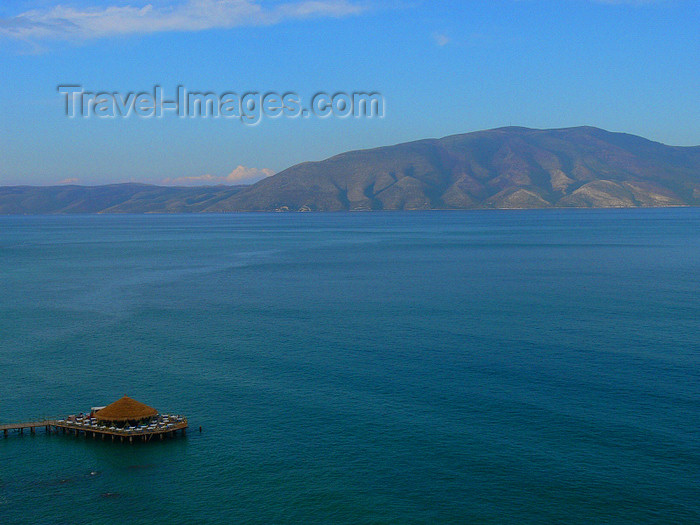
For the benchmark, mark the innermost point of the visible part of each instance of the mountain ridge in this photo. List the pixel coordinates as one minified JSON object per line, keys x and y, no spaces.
{"x":508,"y":167}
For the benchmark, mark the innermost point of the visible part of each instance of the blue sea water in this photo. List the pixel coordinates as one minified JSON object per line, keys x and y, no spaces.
{"x":443,"y":367}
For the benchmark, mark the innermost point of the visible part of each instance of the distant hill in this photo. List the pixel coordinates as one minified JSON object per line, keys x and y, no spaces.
{"x":500,"y":168}
{"x":111,"y":198}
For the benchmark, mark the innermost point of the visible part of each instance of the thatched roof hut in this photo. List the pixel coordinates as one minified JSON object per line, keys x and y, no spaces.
{"x":126,"y":409}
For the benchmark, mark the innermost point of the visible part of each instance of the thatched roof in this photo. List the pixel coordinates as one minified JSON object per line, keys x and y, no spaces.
{"x":125,"y":409}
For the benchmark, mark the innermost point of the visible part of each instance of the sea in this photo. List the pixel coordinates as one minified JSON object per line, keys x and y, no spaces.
{"x":487,"y":367}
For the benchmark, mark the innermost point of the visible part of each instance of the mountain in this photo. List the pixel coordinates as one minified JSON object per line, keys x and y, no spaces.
{"x":111,"y":198}
{"x":501,"y":168}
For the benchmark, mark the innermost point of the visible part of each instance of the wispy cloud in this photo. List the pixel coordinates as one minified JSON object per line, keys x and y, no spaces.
{"x":64,"y":22}
{"x":441,"y":39}
{"x":71,"y":180}
{"x":240,"y":175}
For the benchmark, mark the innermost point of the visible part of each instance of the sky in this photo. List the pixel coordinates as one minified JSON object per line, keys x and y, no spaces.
{"x":441,"y":68}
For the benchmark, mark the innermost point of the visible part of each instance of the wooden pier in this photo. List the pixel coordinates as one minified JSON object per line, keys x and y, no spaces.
{"x":144,"y":433}
{"x":31,"y":426}
{"x":124,"y":420}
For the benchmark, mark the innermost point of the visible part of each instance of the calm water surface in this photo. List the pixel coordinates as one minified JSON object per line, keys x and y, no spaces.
{"x":443,"y":367}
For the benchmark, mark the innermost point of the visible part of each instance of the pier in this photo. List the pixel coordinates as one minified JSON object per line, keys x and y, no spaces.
{"x":125,"y":420}
{"x":31,"y":426}
{"x":132,"y":434}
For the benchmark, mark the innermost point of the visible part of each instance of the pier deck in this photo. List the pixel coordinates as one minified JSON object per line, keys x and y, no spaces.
{"x":31,"y":425}
{"x":129,"y":434}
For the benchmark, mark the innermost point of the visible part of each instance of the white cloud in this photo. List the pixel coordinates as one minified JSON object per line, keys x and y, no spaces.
{"x":72,"y":180}
{"x":64,"y":22}
{"x":441,"y":39}
{"x":240,"y":175}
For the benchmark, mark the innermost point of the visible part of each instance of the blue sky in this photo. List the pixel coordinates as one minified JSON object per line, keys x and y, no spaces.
{"x":442,"y":68}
